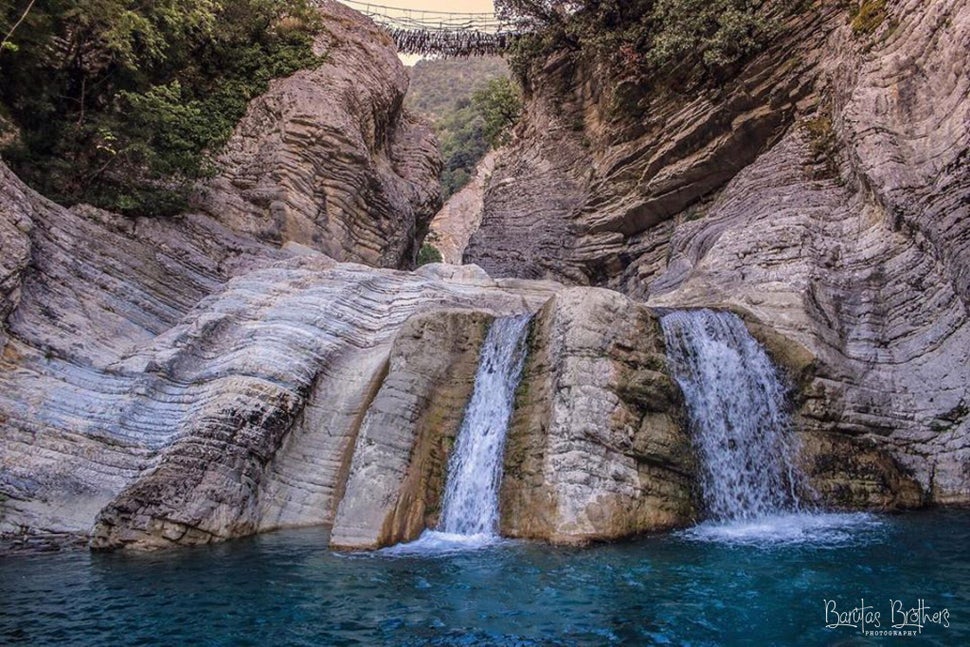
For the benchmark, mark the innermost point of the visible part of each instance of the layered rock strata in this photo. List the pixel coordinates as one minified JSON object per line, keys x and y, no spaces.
{"x":399,"y":467}
{"x":329,"y":158}
{"x":596,"y":447}
{"x":275,"y":378}
{"x":461,"y":215}
{"x":824,"y":191}
{"x":90,"y":396}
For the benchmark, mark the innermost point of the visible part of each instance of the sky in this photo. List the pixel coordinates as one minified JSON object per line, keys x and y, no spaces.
{"x":464,"y":6}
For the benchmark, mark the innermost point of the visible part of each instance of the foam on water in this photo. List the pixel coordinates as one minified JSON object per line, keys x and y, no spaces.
{"x":742,"y":431}
{"x":820,"y":530}
{"x":469,"y":516}
{"x":435,"y":542}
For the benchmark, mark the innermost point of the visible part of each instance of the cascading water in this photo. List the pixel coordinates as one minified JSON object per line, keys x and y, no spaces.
{"x":742,"y":433}
{"x":470,"y":506}
{"x":736,"y":406}
{"x":475,"y":469}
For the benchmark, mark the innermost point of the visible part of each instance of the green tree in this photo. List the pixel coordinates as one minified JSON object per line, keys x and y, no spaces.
{"x":125,"y":104}
{"x":500,"y":106}
{"x":643,"y":36}
{"x":443,"y":91}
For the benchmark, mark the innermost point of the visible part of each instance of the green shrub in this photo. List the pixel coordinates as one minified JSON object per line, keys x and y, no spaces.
{"x":868,"y":17}
{"x":640,"y":37}
{"x":429,"y":254}
{"x":154,"y":91}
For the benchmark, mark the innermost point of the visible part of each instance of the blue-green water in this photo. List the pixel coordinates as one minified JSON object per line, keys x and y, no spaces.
{"x":287,"y":588}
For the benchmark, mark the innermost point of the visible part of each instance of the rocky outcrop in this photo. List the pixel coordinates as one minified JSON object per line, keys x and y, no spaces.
{"x":461,"y":215}
{"x":859,"y":263}
{"x":328,"y":158}
{"x":180,"y":384}
{"x":91,"y":397}
{"x":596,"y":447}
{"x":88,"y":287}
{"x":824,"y":191}
{"x":184,"y":384}
{"x":192,"y":379}
{"x":399,"y":466}
{"x":601,"y":163}
{"x":286,"y":367}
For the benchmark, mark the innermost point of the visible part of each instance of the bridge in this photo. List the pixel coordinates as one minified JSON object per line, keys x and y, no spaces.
{"x":440,"y":33}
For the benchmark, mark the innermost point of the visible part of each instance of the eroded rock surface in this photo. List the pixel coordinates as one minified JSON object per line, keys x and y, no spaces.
{"x":329,"y":158}
{"x":596,"y":447}
{"x":825,"y":191}
{"x":288,"y":365}
{"x":91,"y":398}
{"x":399,"y":466}
{"x":461,"y":215}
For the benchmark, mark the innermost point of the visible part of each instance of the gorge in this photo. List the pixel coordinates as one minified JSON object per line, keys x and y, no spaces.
{"x":272,"y":359}
{"x":682,"y":317}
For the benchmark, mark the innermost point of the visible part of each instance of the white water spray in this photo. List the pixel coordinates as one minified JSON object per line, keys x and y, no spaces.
{"x":470,"y":512}
{"x":742,"y":431}
{"x":737,"y":411}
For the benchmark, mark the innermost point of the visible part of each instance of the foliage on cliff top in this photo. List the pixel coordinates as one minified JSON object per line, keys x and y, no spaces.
{"x":641,"y":36}
{"x":125,"y":104}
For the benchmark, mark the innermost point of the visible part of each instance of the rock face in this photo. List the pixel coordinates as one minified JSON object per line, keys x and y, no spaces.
{"x":461,"y":216}
{"x":193,"y":379}
{"x":138,"y":366}
{"x":399,"y":467}
{"x":180,"y":384}
{"x":170,"y":383}
{"x":596,"y":448}
{"x":824,"y":191}
{"x":329,"y":159}
{"x":292,"y":366}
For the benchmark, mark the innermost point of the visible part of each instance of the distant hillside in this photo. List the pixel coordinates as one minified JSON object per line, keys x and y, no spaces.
{"x":438,"y":85}
{"x":442,"y":91}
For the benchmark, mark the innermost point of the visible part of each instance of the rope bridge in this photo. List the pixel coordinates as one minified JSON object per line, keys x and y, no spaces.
{"x":442,"y":33}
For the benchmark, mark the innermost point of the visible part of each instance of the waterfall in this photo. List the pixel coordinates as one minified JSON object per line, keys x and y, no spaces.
{"x":469,"y":514}
{"x":738,"y":418}
{"x":470,"y":504}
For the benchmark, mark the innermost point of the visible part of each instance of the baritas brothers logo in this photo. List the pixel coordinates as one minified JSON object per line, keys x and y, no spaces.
{"x":901,"y":620}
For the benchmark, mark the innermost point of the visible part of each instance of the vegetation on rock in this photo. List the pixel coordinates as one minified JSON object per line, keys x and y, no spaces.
{"x":429,"y":254}
{"x":869,"y":15}
{"x":642,"y":36}
{"x":124,"y":105}
{"x":500,"y":105}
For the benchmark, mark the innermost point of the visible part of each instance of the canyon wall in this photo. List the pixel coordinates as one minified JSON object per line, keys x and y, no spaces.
{"x":823,"y":192}
{"x":329,"y":158}
{"x":262,"y":363}
{"x":192,"y":379}
{"x":135,"y":346}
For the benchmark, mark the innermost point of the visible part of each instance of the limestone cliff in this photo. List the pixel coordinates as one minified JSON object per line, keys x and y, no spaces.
{"x":823,"y":191}
{"x":596,"y":447}
{"x":171,"y":382}
{"x":193,"y":379}
{"x":145,"y":347}
{"x":329,"y":158}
